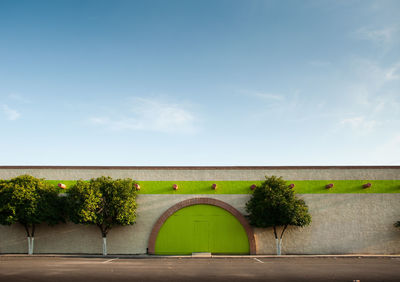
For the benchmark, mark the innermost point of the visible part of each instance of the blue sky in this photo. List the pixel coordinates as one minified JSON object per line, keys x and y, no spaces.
{"x":199,"y":82}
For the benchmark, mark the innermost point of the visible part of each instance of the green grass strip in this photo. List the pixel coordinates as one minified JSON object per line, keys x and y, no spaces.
{"x":68,"y":183}
{"x":346,"y":186}
{"x":243,"y":187}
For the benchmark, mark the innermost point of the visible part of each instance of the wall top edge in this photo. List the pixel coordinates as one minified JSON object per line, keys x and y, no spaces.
{"x":202,"y":167}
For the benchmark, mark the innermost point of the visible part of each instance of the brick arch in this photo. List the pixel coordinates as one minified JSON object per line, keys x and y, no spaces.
{"x":201,"y":201}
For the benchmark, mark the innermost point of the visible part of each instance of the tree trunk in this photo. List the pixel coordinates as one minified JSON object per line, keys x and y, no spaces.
{"x":32,"y":240}
{"x":104,"y":246}
{"x":30,"y":236}
{"x":278,"y":246}
{"x":279,"y":240}
{"x":29,"y":245}
{"x":104,"y":230}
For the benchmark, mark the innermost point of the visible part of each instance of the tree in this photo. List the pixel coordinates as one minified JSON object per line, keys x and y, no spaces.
{"x":29,"y":201}
{"x":103,"y":202}
{"x":397,"y":224}
{"x":274,"y":204}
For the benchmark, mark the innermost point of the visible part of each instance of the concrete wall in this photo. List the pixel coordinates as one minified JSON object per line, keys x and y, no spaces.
{"x":71,"y":238}
{"x":212,"y":174}
{"x":342,"y":224}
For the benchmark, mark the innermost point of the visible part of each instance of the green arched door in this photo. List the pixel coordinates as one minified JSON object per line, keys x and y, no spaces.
{"x":201,"y":228}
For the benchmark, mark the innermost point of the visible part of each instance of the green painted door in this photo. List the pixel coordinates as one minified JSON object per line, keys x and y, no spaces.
{"x":202,"y":228}
{"x":201,"y":236}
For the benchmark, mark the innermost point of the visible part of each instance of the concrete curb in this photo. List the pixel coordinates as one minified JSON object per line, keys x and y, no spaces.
{"x":195,"y":257}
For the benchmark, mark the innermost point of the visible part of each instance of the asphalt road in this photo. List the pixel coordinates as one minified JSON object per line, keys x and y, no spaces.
{"x":198,"y":269}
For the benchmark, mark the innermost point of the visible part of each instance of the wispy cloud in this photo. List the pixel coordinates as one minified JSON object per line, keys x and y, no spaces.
{"x":264,"y":95}
{"x":371,"y":99}
{"x":10,"y":114}
{"x":270,"y":107}
{"x":359,"y":123}
{"x":18,"y":98}
{"x":393,"y":73}
{"x":269,"y":96}
{"x":376,"y":73}
{"x":373,"y":88}
{"x":150,"y":115}
{"x":380,"y":36}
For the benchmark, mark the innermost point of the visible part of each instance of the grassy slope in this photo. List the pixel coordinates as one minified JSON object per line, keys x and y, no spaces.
{"x":243,"y":187}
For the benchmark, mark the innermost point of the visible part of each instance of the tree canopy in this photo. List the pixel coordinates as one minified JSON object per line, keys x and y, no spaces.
{"x":103,"y":202}
{"x":274,"y":204}
{"x":29,"y":201}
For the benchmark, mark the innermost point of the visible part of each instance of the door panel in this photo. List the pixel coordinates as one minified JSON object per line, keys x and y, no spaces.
{"x":201,"y":237}
{"x":202,"y":228}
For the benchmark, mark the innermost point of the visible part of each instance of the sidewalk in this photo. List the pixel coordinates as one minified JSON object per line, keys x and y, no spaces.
{"x":144,"y":256}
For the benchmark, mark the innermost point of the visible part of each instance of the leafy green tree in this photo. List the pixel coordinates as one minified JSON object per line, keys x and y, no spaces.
{"x":274,"y":204}
{"x":29,"y":201}
{"x":103,"y":202}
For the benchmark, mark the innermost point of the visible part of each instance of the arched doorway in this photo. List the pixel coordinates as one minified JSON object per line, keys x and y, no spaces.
{"x":201,"y":225}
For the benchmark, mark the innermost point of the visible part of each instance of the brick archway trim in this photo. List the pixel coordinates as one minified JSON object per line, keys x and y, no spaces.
{"x":201,"y":201}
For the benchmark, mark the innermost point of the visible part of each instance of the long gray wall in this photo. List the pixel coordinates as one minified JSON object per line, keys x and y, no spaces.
{"x":204,"y":173}
{"x":342,"y":224}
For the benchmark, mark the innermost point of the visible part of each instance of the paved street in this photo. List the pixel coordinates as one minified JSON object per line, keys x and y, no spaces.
{"x":23,"y":268}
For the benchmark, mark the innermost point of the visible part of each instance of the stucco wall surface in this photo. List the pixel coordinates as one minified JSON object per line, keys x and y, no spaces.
{"x":203,"y":174}
{"x":342,"y":224}
{"x":71,"y":238}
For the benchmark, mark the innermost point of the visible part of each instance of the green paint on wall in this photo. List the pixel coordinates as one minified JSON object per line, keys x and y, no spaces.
{"x":68,"y":183}
{"x":196,"y":187}
{"x":243,"y":187}
{"x":346,"y":186}
{"x":202,"y":228}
